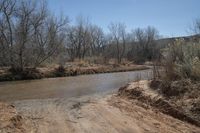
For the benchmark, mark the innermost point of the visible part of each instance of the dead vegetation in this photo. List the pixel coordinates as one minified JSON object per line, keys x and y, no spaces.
{"x":16,"y":74}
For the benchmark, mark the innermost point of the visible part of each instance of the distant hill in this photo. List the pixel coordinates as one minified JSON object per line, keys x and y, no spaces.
{"x":165,"y":41}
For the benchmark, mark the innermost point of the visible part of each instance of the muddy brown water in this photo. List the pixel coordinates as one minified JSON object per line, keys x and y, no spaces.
{"x":68,"y":87}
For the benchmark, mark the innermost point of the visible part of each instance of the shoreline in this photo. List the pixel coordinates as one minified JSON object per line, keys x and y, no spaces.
{"x":43,"y":73}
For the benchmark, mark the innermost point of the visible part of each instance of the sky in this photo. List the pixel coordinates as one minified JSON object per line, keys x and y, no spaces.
{"x":171,"y":17}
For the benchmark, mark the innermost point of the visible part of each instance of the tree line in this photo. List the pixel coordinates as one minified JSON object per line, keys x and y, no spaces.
{"x":31,"y":35}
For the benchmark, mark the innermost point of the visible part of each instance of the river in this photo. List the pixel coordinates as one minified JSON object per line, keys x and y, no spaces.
{"x":68,"y":87}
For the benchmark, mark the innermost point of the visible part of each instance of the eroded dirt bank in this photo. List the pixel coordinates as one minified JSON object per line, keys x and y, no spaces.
{"x":176,"y":99}
{"x":96,"y":114}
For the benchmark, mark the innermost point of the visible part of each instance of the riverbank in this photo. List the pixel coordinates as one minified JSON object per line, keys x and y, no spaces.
{"x":179,"y":99}
{"x":7,"y":74}
{"x":94,"y":113}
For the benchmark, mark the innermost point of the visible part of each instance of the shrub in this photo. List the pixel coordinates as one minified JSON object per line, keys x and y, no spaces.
{"x":60,"y":71}
{"x":15,"y":70}
{"x":174,"y":88}
{"x":25,"y":74}
{"x":183,"y":60}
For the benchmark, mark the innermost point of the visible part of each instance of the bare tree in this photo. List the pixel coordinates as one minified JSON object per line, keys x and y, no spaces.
{"x":49,"y":37}
{"x":7,"y":12}
{"x":29,"y":35}
{"x":97,"y":40}
{"x":23,"y":31}
{"x":71,"y":43}
{"x":118,"y":36}
{"x":196,"y":26}
{"x":79,"y":39}
{"x":144,"y":44}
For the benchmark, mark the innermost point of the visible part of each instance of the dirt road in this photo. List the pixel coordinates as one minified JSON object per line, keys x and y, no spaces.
{"x":94,"y":114}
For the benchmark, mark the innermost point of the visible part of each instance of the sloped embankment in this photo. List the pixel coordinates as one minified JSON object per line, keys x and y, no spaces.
{"x":148,"y":97}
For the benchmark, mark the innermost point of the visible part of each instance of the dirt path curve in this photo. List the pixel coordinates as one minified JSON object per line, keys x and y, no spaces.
{"x":93,"y":114}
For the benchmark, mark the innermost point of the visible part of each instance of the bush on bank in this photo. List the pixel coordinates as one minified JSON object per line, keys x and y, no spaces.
{"x":182,"y":60}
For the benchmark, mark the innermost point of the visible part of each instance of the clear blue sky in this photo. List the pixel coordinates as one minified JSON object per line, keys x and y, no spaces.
{"x":170,"y":17}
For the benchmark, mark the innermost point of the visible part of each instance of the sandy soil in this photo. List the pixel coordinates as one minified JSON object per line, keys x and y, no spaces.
{"x":10,"y":120}
{"x":96,"y":114}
